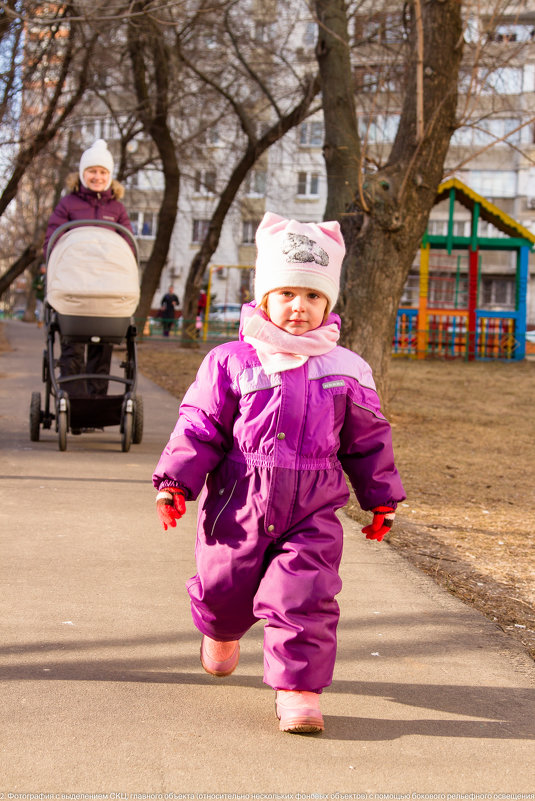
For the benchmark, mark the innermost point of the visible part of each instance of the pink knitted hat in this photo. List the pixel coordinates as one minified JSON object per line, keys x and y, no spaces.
{"x":292,"y":253}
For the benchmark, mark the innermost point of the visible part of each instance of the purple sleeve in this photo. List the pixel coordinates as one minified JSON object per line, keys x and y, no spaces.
{"x":367,"y":456}
{"x":204,"y":430}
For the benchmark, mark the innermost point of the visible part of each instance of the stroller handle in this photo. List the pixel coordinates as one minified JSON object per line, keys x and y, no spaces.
{"x":120,"y":229}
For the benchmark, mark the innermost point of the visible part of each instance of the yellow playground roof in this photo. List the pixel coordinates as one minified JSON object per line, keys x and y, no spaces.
{"x":487,"y":210}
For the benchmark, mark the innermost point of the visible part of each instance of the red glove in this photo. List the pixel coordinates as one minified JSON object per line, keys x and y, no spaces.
{"x":170,"y":505}
{"x":383,"y":518}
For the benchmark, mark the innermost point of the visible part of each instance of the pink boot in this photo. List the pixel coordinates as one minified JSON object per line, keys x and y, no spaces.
{"x":224,"y":668}
{"x":298,"y":711}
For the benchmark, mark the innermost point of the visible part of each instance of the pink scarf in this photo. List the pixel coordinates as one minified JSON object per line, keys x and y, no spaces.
{"x":278,"y":350}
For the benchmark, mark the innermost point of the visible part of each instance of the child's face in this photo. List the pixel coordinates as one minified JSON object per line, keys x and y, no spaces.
{"x":296,"y":309}
{"x":96,"y":178}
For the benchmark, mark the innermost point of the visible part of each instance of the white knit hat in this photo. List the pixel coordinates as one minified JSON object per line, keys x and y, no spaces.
{"x":97,"y":155}
{"x":292,"y":253}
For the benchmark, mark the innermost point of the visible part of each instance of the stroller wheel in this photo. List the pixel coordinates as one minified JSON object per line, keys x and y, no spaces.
{"x":62,"y":420}
{"x":35,"y":416}
{"x":62,"y":430}
{"x":128,"y":424}
{"x":137,"y":434}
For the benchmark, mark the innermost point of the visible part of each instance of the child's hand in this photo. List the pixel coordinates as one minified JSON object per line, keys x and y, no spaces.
{"x":170,"y":506}
{"x":383,"y":518}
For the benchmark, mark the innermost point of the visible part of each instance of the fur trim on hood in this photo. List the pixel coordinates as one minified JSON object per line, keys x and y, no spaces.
{"x":73,"y":184}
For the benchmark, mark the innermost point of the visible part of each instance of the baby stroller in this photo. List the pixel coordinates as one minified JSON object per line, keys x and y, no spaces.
{"x":92,"y":291}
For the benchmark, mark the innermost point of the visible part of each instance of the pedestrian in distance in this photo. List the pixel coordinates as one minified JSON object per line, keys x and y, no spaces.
{"x":265,"y":434}
{"x":93,"y":195}
{"x":168,"y":304}
{"x":38,"y":285}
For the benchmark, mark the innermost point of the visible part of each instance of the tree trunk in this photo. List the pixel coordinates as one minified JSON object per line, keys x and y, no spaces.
{"x":146,"y":40}
{"x":31,"y":300}
{"x":384,"y":225}
{"x":29,"y":255}
{"x":166,"y":222}
{"x":341,"y":148}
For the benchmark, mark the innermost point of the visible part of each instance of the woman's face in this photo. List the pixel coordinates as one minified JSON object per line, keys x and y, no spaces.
{"x":296,"y":309}
{"x":97,"y":178}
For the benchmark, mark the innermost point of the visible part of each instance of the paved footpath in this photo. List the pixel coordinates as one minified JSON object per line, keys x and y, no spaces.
{"x":102,"y":691}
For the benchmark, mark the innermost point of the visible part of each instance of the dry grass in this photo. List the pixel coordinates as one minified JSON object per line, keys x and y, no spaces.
{"x":463,"y":434}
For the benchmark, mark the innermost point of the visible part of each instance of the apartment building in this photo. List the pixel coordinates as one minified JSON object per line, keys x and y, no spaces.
{"x":493,"y":152}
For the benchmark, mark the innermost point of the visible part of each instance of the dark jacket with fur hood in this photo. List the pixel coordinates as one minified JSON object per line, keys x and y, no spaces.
{"x":84,"y":204}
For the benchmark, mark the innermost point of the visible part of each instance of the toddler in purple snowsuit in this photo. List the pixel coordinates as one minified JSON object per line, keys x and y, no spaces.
{"x":264,"y":436}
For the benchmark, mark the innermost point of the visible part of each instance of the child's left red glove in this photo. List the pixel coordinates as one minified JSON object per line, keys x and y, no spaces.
{"x":170,"y":505}
{"x":383,"y":518}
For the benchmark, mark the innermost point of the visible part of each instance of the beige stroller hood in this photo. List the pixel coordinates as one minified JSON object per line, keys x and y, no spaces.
{"x":92,"y":272}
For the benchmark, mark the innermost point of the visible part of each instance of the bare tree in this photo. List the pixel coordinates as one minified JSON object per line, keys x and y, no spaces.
{"x":177,"y":101}
{"x":260,"y":93}
{"x":418,"y":50}
{"x":55,"y":74}
{"x":46,"y":73}
{"x":154,"y":82}
{"x":384,"y":222}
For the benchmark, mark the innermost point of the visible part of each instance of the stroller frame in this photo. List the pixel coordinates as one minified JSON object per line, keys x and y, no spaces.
{"x":79,"y":412}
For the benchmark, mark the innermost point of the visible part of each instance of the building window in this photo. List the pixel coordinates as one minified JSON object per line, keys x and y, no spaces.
{"x":264,"y":32}
{"x":132,"y":181}
{"x":308,"y":184}
{"x":366,"y":79}
{"x":488,"y":229}
{"x":411,"y":291}
{"x":209,"y":38}
{"x":210,"y":136}
{"x":503,"y":81}
{"x":503,"y":34}
{"x":311,"y":134}
{"x":437,"y":227}
{"x":493,"y":183}
{"x":255,"y":183}
{"x":205,"y":181}
{"x":144,"y":223}
{"x":381,"y":28}
{"x":249,"y":231}
{"x":498,"y":294}
{"x":485,"y":132}
{"x":146,"y":179}
{"x":461,"y":228}
{"x":380,"y":128}
{"x":310,"y":35}
{"x":200,"y":231}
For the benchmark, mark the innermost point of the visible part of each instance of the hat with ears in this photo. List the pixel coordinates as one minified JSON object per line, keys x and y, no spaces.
{"x":97,"y":155}
{"x":292,"y":253}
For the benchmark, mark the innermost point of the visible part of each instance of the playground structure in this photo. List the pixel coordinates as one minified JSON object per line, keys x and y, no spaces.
{"x":450,"y":319}
{"x":450,"y":322}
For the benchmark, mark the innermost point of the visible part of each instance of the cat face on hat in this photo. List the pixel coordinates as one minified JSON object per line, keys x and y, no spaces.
{"x":299,"y":248}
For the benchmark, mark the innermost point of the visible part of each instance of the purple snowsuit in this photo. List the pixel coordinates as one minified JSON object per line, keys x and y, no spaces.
{"x":269,"y":543}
